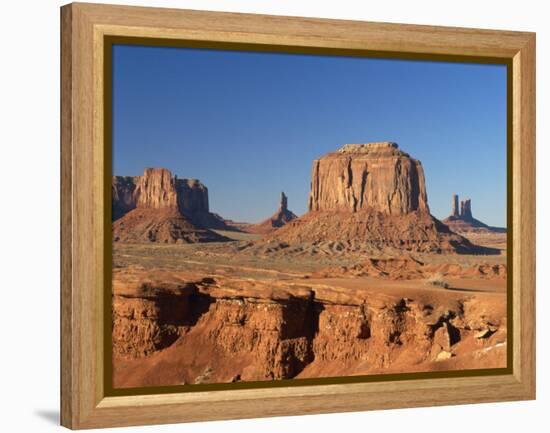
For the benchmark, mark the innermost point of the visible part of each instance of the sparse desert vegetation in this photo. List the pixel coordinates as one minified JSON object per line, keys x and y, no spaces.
{"x":438,"y":281}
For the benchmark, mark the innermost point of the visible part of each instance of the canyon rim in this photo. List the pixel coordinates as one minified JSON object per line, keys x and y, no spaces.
{"x":287,"y":217}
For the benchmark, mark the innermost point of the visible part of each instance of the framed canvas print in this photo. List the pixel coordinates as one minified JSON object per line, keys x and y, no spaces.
{"x":269,"y":216}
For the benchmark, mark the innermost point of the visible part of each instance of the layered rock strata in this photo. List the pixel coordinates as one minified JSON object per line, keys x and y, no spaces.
{"x":373,"y":176}
{"x":188,"y":329}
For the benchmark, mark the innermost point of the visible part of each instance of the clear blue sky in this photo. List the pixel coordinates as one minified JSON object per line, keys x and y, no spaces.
{"x":249,"y":125}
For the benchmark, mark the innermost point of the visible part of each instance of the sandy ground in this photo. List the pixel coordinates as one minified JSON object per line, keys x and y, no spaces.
{"x":491,"y":240}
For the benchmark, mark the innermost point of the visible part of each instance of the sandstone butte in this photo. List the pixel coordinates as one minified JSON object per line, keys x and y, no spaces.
{"x":373,"y":193}
{"x":373,"y":176}
{"x":157,"y":207}
{"x":462,"y":221}
{"x":277,"y":220}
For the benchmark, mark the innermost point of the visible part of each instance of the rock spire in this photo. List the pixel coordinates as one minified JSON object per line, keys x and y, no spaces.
{"x":455,"y":210}
{"x":283,"y":206}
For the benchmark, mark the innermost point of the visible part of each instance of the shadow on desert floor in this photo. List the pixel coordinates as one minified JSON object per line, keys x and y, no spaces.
{"x":459,"y":289}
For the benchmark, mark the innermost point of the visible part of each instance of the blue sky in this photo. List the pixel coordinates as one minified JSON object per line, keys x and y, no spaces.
{"x":249,"y":125}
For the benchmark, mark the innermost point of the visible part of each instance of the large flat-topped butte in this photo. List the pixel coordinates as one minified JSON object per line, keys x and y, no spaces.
{"x":376,"y":176}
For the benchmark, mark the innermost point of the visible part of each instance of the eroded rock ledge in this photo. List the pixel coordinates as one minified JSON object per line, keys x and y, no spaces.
{"x":188,"y":329}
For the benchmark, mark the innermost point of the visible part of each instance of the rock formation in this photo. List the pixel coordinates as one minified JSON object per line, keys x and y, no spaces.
{"x":454,"y":211}
{"x":283,"y":206}
{"x":123,"y":195}
{"x":175,"y":328}
{"x":464,"y":222}
{"x":466,"y":210}
{"x":375,"y":176}
{"x":157,"y":189}
{"x":279,"y":218}
{"x":157,"y":207}
{"x":372,"y":194}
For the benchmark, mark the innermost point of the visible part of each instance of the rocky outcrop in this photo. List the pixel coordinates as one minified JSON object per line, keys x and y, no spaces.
{"x":464,"y":222}
{"x":179,"y":329}
{"x":123,"y":195}
{"x":454,"y":211}
{"x":279,"y":219}
{"x":374,"y":176}
{"x":157,"y":189}
{"x":371,"y":196}
{"x":466,"y":210}
{"x":157,"y":207}
{"x":192,"y":196}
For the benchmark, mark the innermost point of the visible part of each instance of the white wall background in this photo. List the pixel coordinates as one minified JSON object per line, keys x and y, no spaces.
{"x":29,"y":216}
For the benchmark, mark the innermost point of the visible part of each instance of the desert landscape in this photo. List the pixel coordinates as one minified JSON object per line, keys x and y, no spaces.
{"x":367,"y":281}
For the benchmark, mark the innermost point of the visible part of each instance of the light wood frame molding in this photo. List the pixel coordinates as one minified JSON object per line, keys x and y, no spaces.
{"x":83,"y":30}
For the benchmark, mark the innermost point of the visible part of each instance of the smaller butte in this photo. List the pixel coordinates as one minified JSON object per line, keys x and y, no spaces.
{"x":461,"y":219}
{"x":159,"y":207}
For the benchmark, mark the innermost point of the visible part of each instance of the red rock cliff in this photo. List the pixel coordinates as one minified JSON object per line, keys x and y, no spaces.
{"x":157,"y":207}
{"x":123,"y":195}
{"x":177,"y":328}
{"x":375,"y":176}
{"x":157,"y":189}
{"x":192,"y":196}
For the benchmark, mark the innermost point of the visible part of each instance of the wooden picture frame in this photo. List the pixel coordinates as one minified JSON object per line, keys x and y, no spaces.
{"x":85,"y":28}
